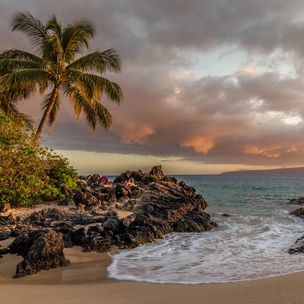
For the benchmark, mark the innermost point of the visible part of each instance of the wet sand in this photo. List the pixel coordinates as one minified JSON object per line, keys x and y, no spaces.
{"x":85,"y":281}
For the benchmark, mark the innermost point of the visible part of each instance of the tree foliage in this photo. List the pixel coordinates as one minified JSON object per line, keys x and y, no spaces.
{"x":30,"y":173}
{"x":58,"y":69}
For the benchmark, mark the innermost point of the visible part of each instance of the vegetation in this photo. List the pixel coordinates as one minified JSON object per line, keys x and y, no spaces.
{"x":30,"y":173}
{"x":57,"y":70}
{"x":9,"y":99}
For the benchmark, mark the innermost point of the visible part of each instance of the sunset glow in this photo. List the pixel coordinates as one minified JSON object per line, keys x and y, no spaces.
{"x":213,"y":87}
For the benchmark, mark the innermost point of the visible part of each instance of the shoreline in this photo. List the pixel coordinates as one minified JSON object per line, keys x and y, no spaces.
{"x":86,"y":281}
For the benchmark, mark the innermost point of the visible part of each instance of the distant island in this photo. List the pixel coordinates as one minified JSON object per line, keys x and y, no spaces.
{"x":298,"y":170}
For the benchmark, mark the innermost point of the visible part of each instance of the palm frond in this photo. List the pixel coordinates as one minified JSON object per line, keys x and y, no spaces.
{"x":80,"y":78}
{"x":104,"y":85}
{"x":8,"y":64}
{"x":94,"y":112}
{"x":104,"y":116}
{"x":112,"y":60}
{"x":44,"y":85}
{"x":81,"y":103}
{"x":53,"y":53}
{"x":99,"y":84}
{"x":18,"y":54}
{"x":99,"y":62}
{"x":54,"y":26}
{"x":52,"y":48}
{"x":23,"y":78}
{"x":13,"y":95}
{"x":54,"y":111}
{"x":6,"y":105}
{"x":31,"y":27}
{"x":76,"y":37}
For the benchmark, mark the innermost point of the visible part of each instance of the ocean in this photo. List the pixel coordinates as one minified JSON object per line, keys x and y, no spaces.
{"x":252,"y":243}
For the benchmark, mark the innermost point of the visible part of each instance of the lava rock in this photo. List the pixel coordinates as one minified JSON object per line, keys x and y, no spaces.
{"x":41,"y":250}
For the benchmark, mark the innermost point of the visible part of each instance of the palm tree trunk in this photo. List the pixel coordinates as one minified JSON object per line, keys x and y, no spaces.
{"x":47,"y":112}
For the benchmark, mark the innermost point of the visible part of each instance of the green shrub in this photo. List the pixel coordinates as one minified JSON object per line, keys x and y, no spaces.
{"x":62,"y":176}
{"x":30,"y":173}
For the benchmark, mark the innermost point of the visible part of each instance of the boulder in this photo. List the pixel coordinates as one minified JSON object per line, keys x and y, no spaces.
{"x":41,"y":250}
{"x":298,"y":247}
{"x":85,"y":198}
{"x":298,"y":212}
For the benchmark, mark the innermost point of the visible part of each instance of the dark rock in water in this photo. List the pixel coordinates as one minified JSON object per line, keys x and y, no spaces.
{"x":298,"y":246}
{"x":194,"y":221}
{"x":225,"y":214}
{"x":298,"y":212}
{"x":41,"y":250}
{"x":299,"y":201}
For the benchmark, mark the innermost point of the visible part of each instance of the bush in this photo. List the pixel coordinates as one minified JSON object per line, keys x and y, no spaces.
{"x":30,"y":173}
{"x":62,"y":176}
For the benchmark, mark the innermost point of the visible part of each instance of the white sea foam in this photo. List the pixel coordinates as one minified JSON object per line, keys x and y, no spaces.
{"x":242,"y":248}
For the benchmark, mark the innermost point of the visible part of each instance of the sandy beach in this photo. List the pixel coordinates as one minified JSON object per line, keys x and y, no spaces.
{"x":86,"y":281}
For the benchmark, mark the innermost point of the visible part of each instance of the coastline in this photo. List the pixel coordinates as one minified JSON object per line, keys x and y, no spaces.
{"x":86,"y":281}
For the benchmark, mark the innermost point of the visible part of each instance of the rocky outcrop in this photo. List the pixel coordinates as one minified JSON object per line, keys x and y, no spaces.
{"x":299,"y":244}
{"x":299,"y":201}
{"x":160,"y":205}
{"x":136,"y":208}
{"x":298,"y":212}
{"x":41,"y":250}
{"x":298,"y":247}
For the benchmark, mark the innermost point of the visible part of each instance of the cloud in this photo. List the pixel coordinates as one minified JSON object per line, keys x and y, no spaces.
{"x":131,"y":131}
{"x":200,"y":144}
{"x":252,"y":114}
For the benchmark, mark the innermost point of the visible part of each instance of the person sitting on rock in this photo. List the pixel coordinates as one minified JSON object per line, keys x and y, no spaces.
{"x":104,"y":180}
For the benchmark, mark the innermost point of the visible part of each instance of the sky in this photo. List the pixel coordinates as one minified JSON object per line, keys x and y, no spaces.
{"x":209,"y":85}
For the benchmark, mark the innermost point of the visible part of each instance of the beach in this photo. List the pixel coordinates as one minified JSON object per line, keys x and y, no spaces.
{"x":86,"y":281}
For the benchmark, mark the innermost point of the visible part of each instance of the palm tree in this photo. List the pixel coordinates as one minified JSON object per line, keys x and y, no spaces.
{"x":57,"y":69}
{"x":9,"y":99}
